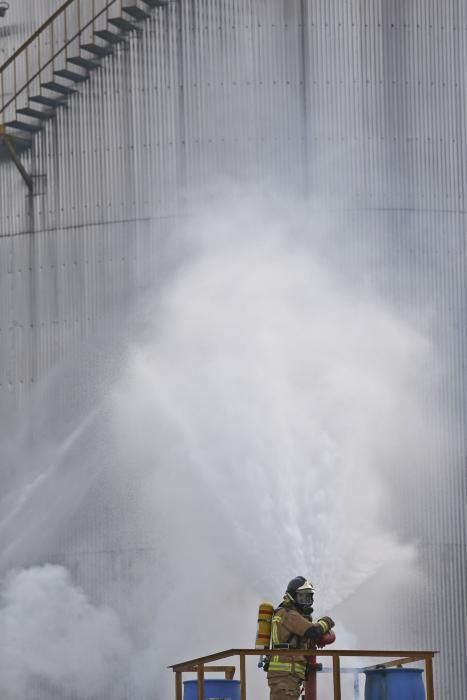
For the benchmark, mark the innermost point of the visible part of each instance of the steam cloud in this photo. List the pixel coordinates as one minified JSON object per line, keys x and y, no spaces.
{"x":52,"y":639}
{"x":265,"y":398}
{"x":260,"y":415}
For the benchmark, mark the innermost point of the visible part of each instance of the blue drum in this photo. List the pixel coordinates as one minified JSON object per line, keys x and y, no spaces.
{"x":394,"y":684}
{"x":213,"y":689}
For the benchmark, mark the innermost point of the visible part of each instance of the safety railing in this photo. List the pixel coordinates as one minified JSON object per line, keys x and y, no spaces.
{"x":47,"y":49}
{"x":399,"y":659}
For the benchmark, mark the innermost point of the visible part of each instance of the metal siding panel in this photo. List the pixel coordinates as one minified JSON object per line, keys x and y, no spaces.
{"x":215,"y":87}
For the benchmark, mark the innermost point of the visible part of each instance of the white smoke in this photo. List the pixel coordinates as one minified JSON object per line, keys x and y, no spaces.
{"x":266,"y":398}
{"x":53,"y":640}
{"x":257,"y":421}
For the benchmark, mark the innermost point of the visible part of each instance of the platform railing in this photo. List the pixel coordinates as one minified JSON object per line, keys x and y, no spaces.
{"x":395,"y":659}
{"x":48,"y":48}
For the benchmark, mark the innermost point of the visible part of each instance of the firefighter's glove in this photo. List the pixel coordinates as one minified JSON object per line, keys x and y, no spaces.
{"x":326,"y":623}
{"x":314,"y":632}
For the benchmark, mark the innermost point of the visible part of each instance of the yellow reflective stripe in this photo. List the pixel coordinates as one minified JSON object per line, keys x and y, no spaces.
{"x":275,"y":632}
{"x":280,"y":666}
{"x":299,"y":669}
{"x":283,"y":666}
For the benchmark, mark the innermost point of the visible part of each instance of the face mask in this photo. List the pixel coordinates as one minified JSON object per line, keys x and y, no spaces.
{"x":304,"y":599}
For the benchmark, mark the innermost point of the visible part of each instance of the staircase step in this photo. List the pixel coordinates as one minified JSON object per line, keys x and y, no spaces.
{"x":35,"y":113}
{"x":123,"y":24}
{"x":111,"y":37}
{"x":23,"y":126}
{"x":71,"y":75}
{"x":58,"y":87}
{"x":100,"y":51}
{"x":83,"y":62}
{"x":135,"y":12}
{"x":47,"y":101}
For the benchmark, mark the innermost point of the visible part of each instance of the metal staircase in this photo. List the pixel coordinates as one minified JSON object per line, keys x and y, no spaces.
{"x":57,"y":58}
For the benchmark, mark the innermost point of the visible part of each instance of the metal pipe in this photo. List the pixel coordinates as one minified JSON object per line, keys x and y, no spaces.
{"x":27,"y":70}
{"x":311,"y":679}
{"x":15,"y":95}
{"x":14,"y":156}
{"x":39,"y":50}
{"x":65,"y":31}
{"x":52,"y":43}
{"x":356,"y":686}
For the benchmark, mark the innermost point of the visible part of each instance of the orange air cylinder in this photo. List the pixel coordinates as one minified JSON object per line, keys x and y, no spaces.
{"x":263,"y":634}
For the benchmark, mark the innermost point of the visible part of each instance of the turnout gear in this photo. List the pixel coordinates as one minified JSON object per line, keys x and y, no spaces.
{"x":288,"y":630}
{"x":284,"y":687}
{"x":293,"y":628}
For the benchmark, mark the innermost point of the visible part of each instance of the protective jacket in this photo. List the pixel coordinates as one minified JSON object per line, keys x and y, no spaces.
{"x":288,"y":627}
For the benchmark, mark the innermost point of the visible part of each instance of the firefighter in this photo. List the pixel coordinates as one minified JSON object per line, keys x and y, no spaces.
{"x":292,"y":627}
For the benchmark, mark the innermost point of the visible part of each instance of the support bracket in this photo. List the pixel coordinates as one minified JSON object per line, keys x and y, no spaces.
{"x":15,"y":158}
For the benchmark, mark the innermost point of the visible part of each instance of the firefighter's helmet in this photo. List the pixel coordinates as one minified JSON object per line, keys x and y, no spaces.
{"x":302,"y":593}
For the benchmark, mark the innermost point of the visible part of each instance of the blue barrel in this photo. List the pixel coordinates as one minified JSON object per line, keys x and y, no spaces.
{"x":394,"y":684}
{"x":219,"y":689}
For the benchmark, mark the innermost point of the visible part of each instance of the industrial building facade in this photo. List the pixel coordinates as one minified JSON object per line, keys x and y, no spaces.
{"x":361,"y":102}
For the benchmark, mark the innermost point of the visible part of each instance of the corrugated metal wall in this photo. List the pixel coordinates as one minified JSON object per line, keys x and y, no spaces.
{"x":359,"y":100}
{"x":20,"y":21}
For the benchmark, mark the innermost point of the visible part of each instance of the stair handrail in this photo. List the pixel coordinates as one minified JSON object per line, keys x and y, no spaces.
{"x":45,"y":25}
{"x":35,"y":34}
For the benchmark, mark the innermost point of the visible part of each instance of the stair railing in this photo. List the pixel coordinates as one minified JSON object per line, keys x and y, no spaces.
{"x":38,"y":56}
